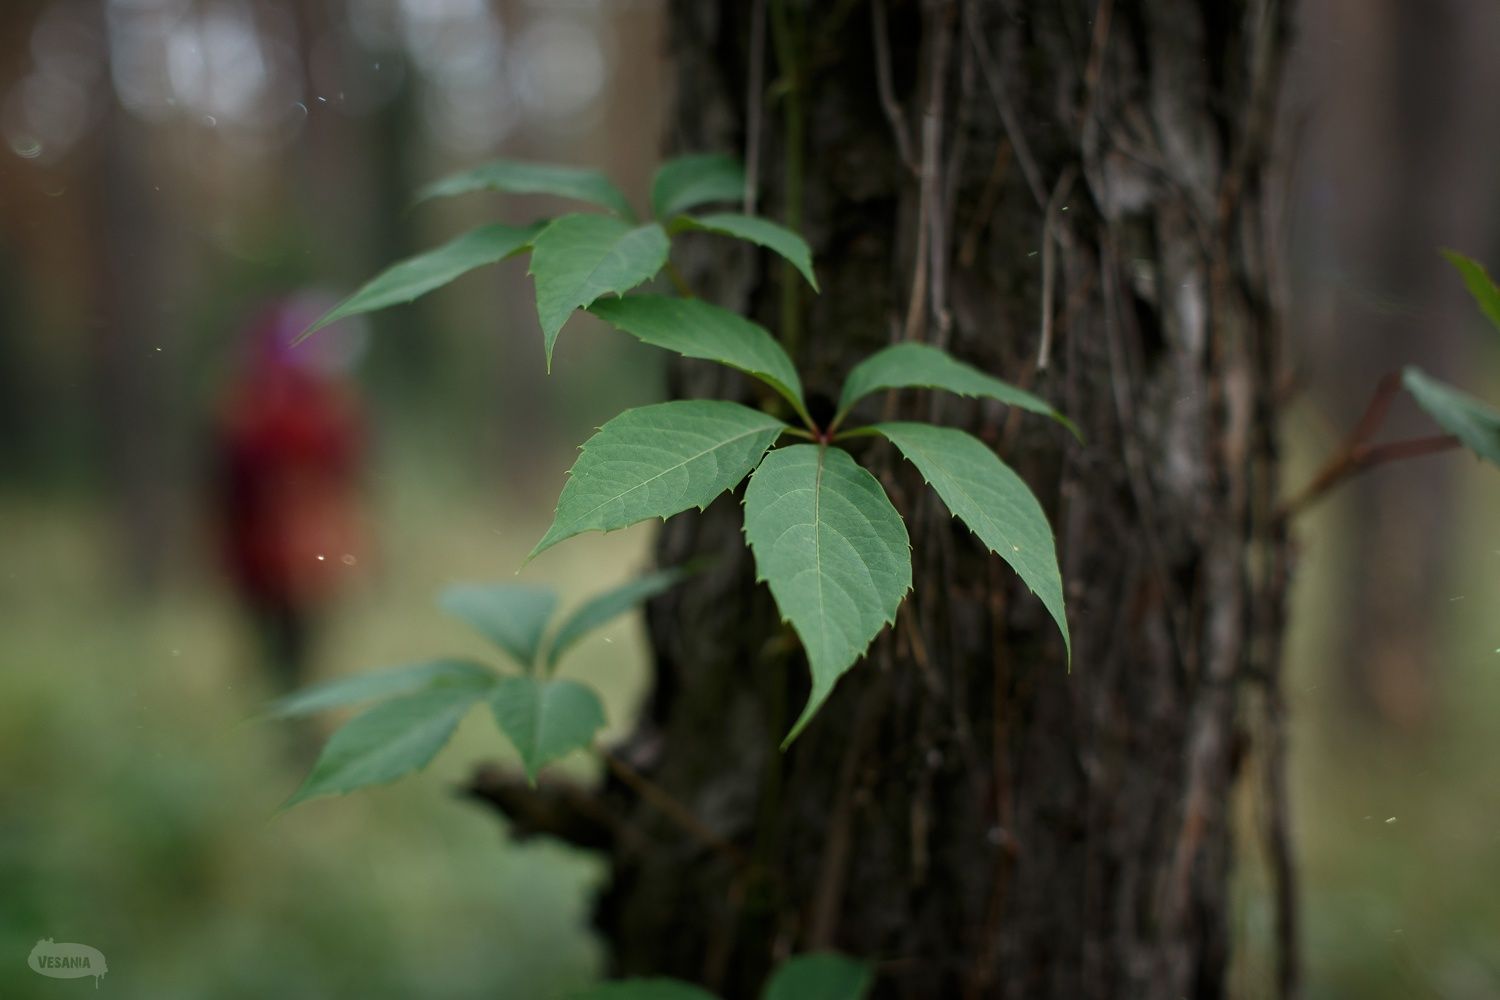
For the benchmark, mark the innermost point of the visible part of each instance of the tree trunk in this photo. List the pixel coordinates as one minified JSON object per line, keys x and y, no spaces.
{"x":966,"y":811}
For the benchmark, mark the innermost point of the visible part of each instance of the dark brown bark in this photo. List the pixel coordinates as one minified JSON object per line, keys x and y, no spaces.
{"x":966,"y":811}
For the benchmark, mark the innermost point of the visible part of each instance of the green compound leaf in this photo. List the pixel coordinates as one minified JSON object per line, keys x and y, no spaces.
{"x":834,"y":552}
{"x":820,"y":976}
{"x":643,"y":989}
{"x":608,"y":606}
{"x":1480,"y":285}
{"x":754,"y":229}
{"x":696,"y":329}
{"x":513,"y":177}
{"x":511,"y":615}
{"x":993,"y":501}
{"x":689,"y":181}
{"x":545,"y":719}
{"x":375,"y":684}
{"x":578,"y":258}
{"x":389,"y":741}
{"x":656,"y":461}
{"x":416,"y":276}
{"x":911,"y":365}
{"x":1472,"y":421}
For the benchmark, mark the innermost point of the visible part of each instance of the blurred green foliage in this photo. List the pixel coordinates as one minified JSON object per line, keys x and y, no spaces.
{"x":138,"y":810}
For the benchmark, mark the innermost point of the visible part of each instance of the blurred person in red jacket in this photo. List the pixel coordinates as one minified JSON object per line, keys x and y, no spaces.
{"x":290,"y":443}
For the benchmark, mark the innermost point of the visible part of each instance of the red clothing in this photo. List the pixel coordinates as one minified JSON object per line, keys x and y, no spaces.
{"x":291,"y":442}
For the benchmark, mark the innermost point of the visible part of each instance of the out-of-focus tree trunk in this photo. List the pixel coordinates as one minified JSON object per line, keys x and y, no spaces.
{"x":133,"y":381}
{"x":966,"y":811}
{"x":1401,"y":159}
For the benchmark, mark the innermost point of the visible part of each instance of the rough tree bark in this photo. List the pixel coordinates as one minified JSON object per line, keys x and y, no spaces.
{"x":965,"y":810}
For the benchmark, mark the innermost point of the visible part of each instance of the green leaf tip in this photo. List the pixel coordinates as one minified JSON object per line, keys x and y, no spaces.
{"x":762,"y":232}
{"x":993,"y":502}
{"x":372,"y":684}
{"x":657,"y":461}
{"x":911,"y":365}
{"x":545,"y":719}
{"x":605,"y":607}
{"x":578,"y":259}
{"x":1481,"y":286}
{"x":696,"y":179}
{"x":425,"y":272}
{"x":834,"y":553}
{"x":520,"y":177}
{"x":1474,"y":422}
{"x":698,"y":329}
{"x":389,"y":741}
{"x":821,"y":975}
{"x":513,"y":616}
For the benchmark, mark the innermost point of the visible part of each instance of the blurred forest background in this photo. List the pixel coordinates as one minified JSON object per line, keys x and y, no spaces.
{"x":171,"y":166}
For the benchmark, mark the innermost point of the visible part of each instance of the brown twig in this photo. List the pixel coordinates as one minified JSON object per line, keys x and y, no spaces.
{"x":1094,"y":69}
{"x":1351,"y":462}
{"x":673,"y":809}
{"x":968,"y":249}
{"x":886,"y":88}
{"x":678,"y":281}
{"x":754,"y":95}
{"x":939,"y":24}
{"x":1049,"y":268}
{"x":838,"y":844}
{"x":992,"y":78}
{"x":1007,"y":850}
{"x":1357,"y":454}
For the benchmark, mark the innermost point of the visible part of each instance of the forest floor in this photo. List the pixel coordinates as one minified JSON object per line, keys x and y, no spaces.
{"x":139,"y":808}
{"x":1396,"y":827}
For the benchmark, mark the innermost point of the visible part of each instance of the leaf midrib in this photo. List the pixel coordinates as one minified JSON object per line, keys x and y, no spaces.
{"x":983,"y":511}
{"x":818,"y":550}
{"x":613,"y":251}
{"x":726,"y":442}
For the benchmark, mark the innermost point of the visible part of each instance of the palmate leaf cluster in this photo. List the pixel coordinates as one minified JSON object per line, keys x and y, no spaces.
{"x":420,"y":705}
{"x":824,"y":535}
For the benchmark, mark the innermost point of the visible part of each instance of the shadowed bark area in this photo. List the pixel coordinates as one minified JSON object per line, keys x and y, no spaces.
{"x":965,"y":811}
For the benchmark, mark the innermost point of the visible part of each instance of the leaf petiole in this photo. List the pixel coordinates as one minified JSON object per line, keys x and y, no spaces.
{"x":854,"y":432}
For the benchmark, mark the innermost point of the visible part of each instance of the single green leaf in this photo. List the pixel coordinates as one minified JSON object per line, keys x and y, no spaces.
{"x":689,"y":181}
{"x":834,"y":552}
{"x":374,"y":684}
{"x":912,"y":365}
{"x":1472,"y":421}
{"x":608,"y":606}
{"x":389,"y":741}
{"x":545,"y":719}
{"x":511,"y":615}
{"x":1480,"y":285}
{"x":419,"y":275}
{"x":820,"y":976}
{"x":644,"y":989}
{"x":512,"y":177}
{"x":578,"y":258}
{"x":698,"y":329}
{"x":754,"y":229}
{"x":993,"y":501}
{"x":656,"y":461}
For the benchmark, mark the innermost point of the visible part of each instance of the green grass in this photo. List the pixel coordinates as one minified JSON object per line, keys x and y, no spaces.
{"x":139,"y":808}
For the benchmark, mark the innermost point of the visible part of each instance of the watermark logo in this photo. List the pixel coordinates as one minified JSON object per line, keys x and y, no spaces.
{"x":67,"y":961}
